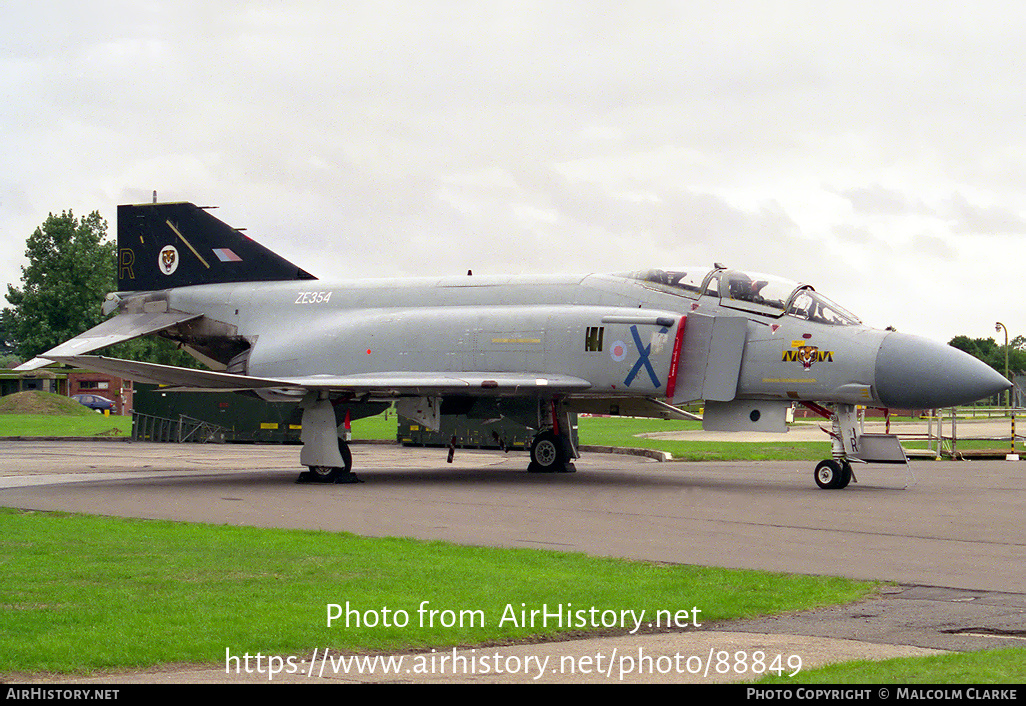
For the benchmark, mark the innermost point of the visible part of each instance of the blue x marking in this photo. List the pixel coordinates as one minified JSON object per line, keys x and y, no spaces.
{"x":643,"y":353}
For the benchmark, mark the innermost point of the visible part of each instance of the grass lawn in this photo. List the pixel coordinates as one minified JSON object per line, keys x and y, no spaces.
{"x":1005,"y":666}
{"x":624,"y":431}
{"x":84,"y":593}
{"x":381,"y":426}
{"x":91,"y":424}
{"x":594,"y":431}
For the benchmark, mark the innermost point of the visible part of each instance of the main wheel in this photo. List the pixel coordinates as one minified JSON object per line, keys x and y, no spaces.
{"x":332,"y":474}
{"x":324,"y":474}
{"x":548,"y":453}
{"x":830,"y":475}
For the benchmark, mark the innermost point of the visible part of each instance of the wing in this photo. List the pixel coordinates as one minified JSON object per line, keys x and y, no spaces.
{"x":386,"y":384}
{"x":123,"y":327}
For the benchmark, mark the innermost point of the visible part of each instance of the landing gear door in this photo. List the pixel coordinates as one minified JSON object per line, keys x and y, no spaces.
{"x":711,"y":358}
{"x":426,"y":411}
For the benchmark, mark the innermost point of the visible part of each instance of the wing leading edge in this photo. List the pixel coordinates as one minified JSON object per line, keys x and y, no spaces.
{"x":390,"y":384}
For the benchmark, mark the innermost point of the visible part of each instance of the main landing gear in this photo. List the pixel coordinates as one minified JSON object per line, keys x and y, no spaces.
{"x":552,"y":450}
{"x":324,"y":452}
{"x":551,"y":453}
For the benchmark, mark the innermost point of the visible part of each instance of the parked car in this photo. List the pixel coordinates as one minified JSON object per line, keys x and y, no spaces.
{"x":94,"y":402}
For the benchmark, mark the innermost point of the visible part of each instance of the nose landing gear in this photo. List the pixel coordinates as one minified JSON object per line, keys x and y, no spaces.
{"x":849,"y":442}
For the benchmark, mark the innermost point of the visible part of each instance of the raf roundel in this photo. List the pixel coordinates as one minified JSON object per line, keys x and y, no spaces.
{"x":618,"y":351}
{"x":167,"y":261}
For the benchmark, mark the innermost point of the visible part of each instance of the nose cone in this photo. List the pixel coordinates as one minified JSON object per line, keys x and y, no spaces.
{"x":917,"y":373}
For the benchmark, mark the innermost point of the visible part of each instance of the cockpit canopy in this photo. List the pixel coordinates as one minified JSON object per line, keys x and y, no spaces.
{"x":749,"y":291}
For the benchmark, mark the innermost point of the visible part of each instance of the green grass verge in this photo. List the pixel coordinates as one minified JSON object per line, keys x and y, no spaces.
{"x":622,"y":431}
{"x":1004,"y":666}
{"x":380,"y":426}
{"x":85,"y":593}
{"x":593,"y":431}
{"x":997,"y":446}
{"x":90,"y":424}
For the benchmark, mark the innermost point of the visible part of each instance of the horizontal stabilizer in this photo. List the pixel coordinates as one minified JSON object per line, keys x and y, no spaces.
{"x":123,"y":327}
{"x":381,"y":384}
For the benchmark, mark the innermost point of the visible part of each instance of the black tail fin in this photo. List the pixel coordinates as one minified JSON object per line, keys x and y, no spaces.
{"x":164,"y":245}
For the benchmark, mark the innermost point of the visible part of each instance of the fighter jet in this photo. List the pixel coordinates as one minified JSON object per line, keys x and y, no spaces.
{"x":528,"y":349}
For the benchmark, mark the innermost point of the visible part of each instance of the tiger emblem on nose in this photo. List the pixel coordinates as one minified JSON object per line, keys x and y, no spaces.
{"x":807,"y":355}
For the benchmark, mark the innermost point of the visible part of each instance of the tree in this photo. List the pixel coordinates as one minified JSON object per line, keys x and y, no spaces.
{"x":71,"y":267}
{"x":6,"y":335}
{"x":988,"y":350}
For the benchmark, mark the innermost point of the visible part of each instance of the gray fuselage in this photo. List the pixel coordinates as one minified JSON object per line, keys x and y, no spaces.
{"x":566,"y":325}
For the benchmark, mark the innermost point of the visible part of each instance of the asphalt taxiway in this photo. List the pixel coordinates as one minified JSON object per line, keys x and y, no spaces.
{"x":953,"y":540}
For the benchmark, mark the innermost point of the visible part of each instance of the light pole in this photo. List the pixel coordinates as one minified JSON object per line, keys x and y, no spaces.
{"x":997,"y":327}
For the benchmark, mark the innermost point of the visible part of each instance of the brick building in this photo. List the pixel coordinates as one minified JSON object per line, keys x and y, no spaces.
{"x":68,"y":382}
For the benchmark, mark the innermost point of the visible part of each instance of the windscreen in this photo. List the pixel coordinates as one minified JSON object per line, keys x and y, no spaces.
{"x":769,"y":294}
{"x":811,"y":305}
{"x":749,"y":291}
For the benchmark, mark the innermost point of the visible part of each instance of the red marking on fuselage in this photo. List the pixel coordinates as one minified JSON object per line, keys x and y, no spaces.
{"x":678,"y":344}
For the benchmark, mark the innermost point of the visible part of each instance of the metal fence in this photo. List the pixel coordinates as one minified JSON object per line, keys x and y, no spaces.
{"x":147,"y":427}
{"x":947,"y":428}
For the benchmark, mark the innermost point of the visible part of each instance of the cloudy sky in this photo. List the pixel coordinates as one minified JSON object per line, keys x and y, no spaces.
{"x":876,"y":150}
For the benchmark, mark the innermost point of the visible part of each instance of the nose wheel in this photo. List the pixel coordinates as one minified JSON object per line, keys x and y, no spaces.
{"x":833,"y":475}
